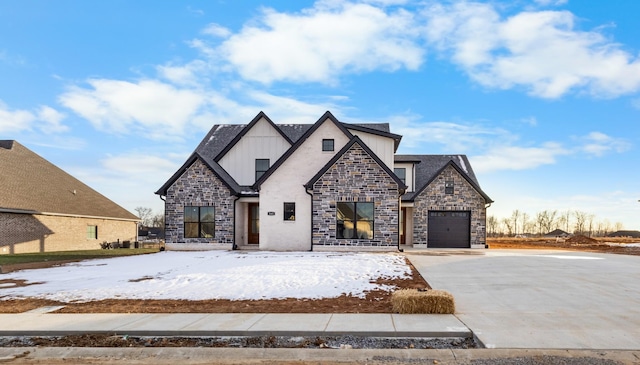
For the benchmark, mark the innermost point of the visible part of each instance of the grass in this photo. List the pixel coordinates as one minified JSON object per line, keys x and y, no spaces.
{"x":70,"y":255}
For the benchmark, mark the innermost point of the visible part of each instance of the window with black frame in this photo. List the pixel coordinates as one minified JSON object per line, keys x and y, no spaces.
{"x":448,"y":187}
{"x":199,"y":222}
{"x":328,"y":145}
{"x":262,"y":165}
{"x":289,"y":211}
{"x":354,"y":220}
{"x":401,"y":173}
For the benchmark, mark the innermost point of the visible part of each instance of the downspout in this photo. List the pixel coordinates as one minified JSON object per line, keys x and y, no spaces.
{"x":487,"y":205}
{"x":399,"y":215}
{"x":164,"y":229}
{"x":234,"y":246}
{"x":311,"y":230}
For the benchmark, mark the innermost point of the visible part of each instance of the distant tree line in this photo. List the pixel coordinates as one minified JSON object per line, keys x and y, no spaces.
{"x":570,"y":221}
{"x":149,"y":219}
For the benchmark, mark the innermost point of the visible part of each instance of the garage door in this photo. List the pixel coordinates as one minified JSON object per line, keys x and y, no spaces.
{"x":449,"y":229}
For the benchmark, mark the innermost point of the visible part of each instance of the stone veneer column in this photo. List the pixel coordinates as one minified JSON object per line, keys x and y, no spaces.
{"x":355,"y":177}
{"x":464,"y":198}
{"x":199,"y":186}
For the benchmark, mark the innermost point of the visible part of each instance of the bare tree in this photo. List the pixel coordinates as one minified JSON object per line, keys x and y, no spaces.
{"x":525,"y":223}
{"x":581,"y":221}
{"x":508,"y":225}
{"x":492,"y":225}
{"x":146,"y":215}
{"x":158,"y":220}
{"x":619,"y":226}
{"x":515,"y":217}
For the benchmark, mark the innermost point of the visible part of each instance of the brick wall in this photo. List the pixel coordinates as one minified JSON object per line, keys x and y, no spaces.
{"x":464,"y":198}
{"x":198,"y":186}
{"x":23,"y":233}
{"x":355,"y":177}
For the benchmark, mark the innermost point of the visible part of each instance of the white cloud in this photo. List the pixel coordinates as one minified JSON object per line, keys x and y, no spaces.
{"x":216,"y":30}
{"x":159,"y":110}
{"x":44,"y":119}
{"x":320,"y":43}
{"x":452,"y":137}
{"x":551,"y":2}
{"x":538,"y":50}
{"x":518,"y":158}
{"x":597,"y":144}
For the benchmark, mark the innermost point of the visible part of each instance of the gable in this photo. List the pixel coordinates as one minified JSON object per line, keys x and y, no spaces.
{"x":357,"y":160}
{"x":262,"y":140}
{"x":462,"y":183}
{"x":326,"y":119}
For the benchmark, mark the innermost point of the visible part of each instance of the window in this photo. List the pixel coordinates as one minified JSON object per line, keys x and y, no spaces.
{"x":354,"y":220}
{"x":448,"y":187}
{"x":289,"y":211}
{"x":262,"y":165}
{"x":92,"y":232}
{"x":401,"y":173}
{"x":199,"y":222}
{"x":327,"y":145}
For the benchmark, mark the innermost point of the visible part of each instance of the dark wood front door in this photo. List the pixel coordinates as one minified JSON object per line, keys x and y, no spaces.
{"x":254,"y":224}
{"x":403,"y":226}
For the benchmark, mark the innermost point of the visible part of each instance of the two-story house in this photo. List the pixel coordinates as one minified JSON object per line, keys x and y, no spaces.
{"x":328,"y":185}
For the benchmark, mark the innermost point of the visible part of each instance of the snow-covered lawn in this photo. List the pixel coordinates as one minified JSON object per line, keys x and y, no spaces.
{"x":210,"y":275}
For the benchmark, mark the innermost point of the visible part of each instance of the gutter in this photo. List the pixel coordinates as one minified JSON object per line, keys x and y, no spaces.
{"x":24,"y":211}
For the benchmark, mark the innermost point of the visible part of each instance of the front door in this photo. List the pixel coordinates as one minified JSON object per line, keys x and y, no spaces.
{"x":403,"y":226}
{"x":254,"y":224}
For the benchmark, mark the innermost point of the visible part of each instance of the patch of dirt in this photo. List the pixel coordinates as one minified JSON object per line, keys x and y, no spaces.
{"x":376,"y":301}
{"x":575,"y":243}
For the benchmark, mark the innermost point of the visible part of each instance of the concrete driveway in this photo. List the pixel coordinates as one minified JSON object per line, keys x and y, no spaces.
{"x":540,"y":299}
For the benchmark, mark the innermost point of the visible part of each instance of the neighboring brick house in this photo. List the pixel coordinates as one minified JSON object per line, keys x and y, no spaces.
{"x":322,"y":186}
{"x":43,"y":209}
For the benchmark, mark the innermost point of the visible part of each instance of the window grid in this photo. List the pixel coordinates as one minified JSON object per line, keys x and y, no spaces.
{"x":199,"y":222}
{"x":328,"y":145}
{"x":355,"y":220}
{"x":448,"y":187}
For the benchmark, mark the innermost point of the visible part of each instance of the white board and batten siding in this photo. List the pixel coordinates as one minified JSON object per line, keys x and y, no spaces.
{"x":261,"y":142}
{"x":383,"y":147}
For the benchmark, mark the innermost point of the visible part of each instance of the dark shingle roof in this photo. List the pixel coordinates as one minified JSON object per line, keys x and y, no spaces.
{"x":30,"y":183}
{"x":429,"y":166}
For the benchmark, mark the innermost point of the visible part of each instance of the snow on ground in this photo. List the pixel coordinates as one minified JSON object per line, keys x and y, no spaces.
{"x":211,"y":275}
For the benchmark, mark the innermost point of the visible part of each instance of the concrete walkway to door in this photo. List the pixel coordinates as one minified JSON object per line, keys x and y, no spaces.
{"x":540,"y":299}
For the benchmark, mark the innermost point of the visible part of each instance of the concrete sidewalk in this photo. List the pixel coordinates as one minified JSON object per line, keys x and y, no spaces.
{"x":234,"y":324}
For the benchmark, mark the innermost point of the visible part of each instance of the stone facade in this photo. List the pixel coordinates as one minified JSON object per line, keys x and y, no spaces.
{"x":464,"y":198}
{"x":199,"y":186}
{"x":24,"y":233}
{"x":355,"y":177}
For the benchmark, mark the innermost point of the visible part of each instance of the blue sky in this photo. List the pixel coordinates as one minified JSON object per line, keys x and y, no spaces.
{"x":542,"y":95}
